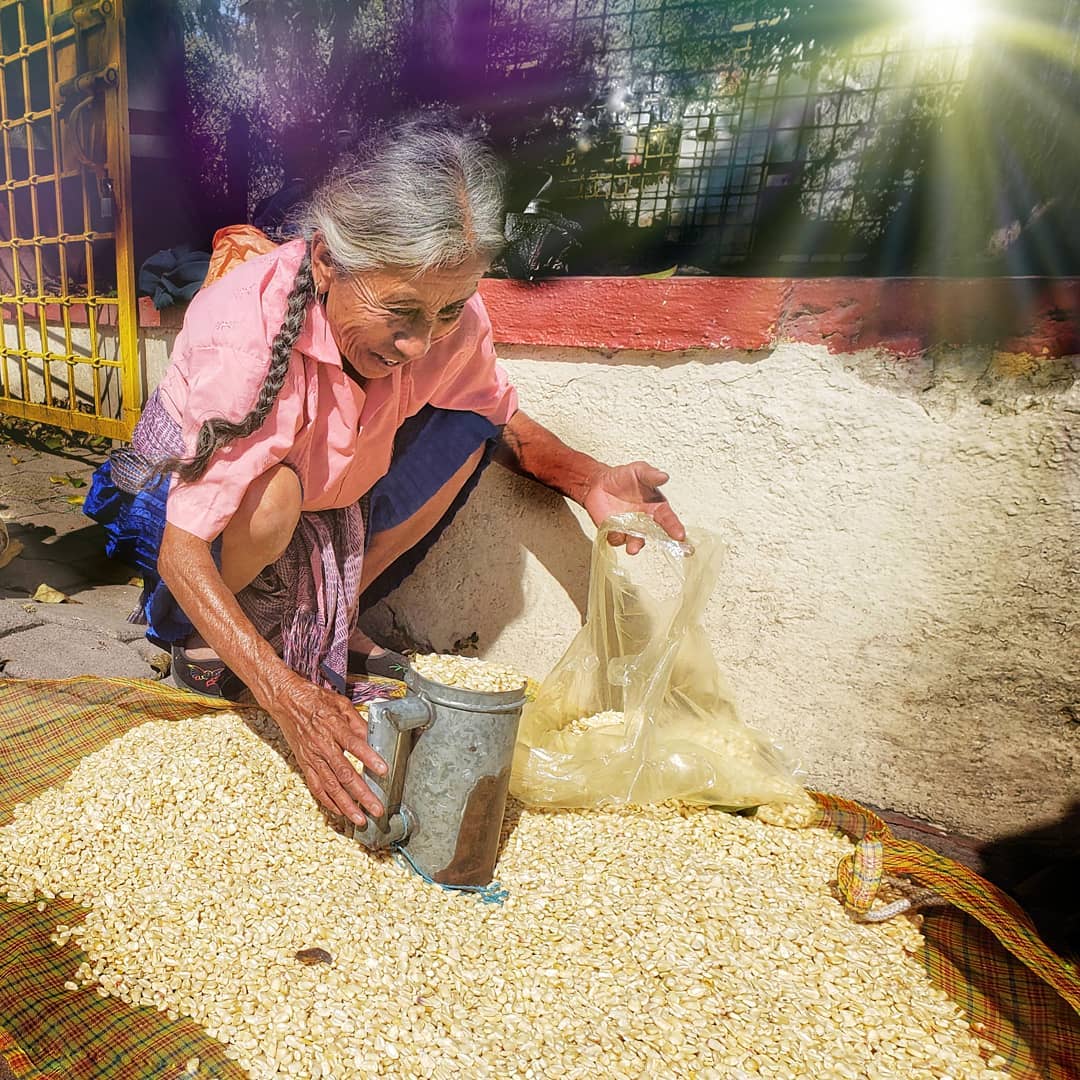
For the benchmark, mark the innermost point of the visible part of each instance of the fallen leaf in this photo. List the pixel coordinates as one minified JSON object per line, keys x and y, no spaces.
{"x":136,"y":581}
{"x":75,"y":500}
{"x":52,"y":442}
{"x":46,"y":594}
{"x":69,"y":479}
{"x":16,"y":460}
{"x":313,"y":956}
{"x":13,"y":550}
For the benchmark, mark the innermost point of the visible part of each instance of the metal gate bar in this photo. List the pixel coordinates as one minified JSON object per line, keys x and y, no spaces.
{"x":63,"y":106}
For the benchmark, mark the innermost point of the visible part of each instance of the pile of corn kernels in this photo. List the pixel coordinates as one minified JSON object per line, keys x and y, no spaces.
{"x":792,"y":807}
{"x":664,"y":942}
{"x":467,"y":673}
{"x":610,"y":718}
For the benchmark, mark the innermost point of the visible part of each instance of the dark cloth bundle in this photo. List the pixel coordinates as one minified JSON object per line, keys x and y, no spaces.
{"x":173,"y":276}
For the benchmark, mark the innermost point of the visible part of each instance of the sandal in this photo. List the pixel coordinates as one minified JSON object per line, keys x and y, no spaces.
{"x":211,"y":678}
{"x":387,"y":665}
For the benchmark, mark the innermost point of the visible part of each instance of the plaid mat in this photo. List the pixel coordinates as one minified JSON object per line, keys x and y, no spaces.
{"x":982,"y":950}
{"x":46,"y":1031}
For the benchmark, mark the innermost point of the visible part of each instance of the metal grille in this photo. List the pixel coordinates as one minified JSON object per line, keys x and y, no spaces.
{"x":705,"y":145}
{"x":68,"y":352}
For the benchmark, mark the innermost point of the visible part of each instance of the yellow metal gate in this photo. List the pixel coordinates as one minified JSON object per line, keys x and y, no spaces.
{"x":68,"y":349}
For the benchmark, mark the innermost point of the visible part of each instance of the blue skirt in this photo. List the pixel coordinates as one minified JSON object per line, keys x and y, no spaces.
{"x":429,"y":449}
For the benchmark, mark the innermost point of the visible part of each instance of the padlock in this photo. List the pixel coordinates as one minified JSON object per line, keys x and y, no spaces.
{"x":105,"y":198}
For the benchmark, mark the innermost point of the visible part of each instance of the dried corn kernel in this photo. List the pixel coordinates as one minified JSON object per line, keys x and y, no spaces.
{"x":793,"y":813}
{"x":467,"y":673}
{"x":611,"y":718}
{"x":668,"y":941}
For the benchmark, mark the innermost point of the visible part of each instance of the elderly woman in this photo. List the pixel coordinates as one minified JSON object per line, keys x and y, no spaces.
{"x":328,"y":406}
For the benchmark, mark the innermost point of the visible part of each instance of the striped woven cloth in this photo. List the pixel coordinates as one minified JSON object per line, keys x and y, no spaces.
{"x":46,"y":1031}
{"x":981,"y":950}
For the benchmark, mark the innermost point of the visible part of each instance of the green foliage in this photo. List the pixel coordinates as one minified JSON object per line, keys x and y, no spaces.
{"x":897,"y":149}
{"x":296,"y":71}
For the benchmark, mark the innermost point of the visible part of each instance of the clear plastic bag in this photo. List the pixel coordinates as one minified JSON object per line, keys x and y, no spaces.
{"x":636,"y":710}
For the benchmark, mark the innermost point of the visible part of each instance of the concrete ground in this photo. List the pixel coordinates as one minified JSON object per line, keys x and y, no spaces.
{"x":63,"y":549}
{"x":88,"y":633}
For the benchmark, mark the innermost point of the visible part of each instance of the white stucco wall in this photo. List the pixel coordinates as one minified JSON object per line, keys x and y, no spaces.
{"x":899,"y":607}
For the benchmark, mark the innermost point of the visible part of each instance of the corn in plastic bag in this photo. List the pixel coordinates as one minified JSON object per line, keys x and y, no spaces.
{"x":636,"y":710}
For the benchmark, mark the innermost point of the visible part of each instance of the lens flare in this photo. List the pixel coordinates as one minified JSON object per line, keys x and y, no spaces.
{"x":946,"y":20}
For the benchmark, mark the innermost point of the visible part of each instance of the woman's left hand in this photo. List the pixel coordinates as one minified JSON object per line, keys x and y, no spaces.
{"x":622,"y":489}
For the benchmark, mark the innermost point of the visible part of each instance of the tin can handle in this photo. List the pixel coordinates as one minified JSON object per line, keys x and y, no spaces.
{"x":390,"y":734}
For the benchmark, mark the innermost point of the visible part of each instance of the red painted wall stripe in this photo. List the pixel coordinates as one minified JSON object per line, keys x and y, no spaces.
{"x":905,"y":316}
{"x":635,"y":313}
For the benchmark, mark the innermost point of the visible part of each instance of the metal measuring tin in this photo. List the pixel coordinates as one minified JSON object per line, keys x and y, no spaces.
{"x":448,"y":753}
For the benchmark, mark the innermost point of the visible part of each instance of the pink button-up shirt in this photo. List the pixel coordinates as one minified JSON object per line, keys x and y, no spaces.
{"x":337,"y":436}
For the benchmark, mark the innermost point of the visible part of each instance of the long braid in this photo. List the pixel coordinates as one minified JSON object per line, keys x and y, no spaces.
{"x":217,"y":431}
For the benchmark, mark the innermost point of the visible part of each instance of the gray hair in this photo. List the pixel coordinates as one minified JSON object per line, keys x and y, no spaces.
{"x":419,"y":196}
{"x":424,"y":197}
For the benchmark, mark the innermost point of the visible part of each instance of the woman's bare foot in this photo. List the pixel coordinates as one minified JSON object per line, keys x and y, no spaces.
{"x":361,"y":644}
{"x":367,"y":657}
{"x":195,"y":648}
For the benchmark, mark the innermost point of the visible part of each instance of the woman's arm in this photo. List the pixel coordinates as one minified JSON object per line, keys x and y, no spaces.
{"x":530,"y":449}
{"x":318,"y":724}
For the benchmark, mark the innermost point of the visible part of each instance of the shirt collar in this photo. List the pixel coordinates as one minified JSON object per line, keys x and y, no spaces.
{"x":315,"y":338}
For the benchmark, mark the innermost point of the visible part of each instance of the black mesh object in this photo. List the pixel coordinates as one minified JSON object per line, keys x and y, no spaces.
{"x":538,"y":240}
{"x":537,"y":243}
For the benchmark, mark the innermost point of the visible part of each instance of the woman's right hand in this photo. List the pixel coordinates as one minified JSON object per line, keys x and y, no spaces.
{"x":320,"y":726}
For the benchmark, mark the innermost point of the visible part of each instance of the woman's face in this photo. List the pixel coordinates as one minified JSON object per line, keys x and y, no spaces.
{"x":383,"y":319}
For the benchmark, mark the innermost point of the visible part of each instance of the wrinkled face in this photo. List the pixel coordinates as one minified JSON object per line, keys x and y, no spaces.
{"x":383,"y":319}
